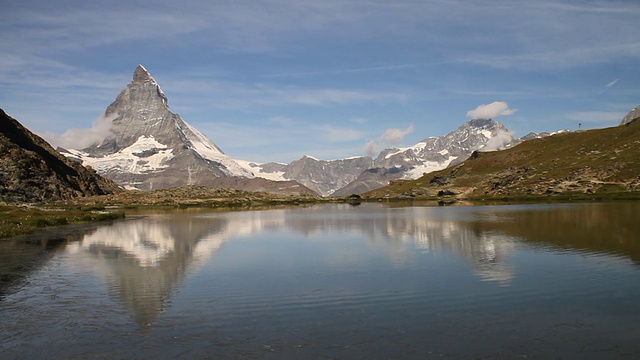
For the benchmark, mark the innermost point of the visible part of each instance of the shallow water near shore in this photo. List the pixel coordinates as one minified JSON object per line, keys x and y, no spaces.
{"x":331,"y":281}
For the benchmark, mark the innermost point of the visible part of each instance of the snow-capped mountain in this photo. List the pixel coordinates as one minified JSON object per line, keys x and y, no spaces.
{"x":322,"y":176}
{"x":149,"y":147}
{"x":356,"y":175}
{"x":431,"y":154}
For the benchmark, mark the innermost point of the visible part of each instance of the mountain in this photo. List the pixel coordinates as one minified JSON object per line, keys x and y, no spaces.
{"x":540,"y":135}
{"x":322,"y":176}
{"x":32,"y":171}
{"x":601,"y":161}
{"x":149,"y":147}
{"x":431,"y":154}
{"x":357,"y":175}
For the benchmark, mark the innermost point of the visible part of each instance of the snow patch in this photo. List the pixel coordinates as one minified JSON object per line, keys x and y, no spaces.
{"x":416,"y":149}
{"x":144,"y":156}
{"x":427,"y":167}
{"x":209,"y":151}
{"x":256,"y":170}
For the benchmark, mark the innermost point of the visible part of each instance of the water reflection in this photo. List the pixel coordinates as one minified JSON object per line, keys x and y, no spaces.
{"x":24,"y":255}
{"x":607,"y":228}
{"x":331,"y":281}
{"x":143,"y":260}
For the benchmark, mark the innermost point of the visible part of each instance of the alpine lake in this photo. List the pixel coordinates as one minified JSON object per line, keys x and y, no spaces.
{"x":373,"y":281}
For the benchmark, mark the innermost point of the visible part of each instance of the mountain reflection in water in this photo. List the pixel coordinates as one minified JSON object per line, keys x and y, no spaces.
{"x":143,"y":260}
{"x":333,"y":281}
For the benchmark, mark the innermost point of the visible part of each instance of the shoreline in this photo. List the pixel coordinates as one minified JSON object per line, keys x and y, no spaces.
{"x":26,"y":219}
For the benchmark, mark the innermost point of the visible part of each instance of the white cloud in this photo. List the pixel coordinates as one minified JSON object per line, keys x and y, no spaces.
{"x":395,"y":136}
{"x":371,"y":148}
{"x":498,"y":142}
{"x":491,"y":111}
{"x":76,"y":138}
{"x":390,"y":137}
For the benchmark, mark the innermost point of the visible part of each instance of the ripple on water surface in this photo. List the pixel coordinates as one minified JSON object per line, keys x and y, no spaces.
{"x":334,"y":282}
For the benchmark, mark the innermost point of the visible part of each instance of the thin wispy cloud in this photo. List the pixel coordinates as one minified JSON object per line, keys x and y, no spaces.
{"x":392,"y":67}
{"x":232,"y":94}
{"x":612,"y":83}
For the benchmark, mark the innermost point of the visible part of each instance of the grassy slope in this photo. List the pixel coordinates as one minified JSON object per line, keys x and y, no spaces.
{"x":595,"y":161}
{"x":21,"y":220}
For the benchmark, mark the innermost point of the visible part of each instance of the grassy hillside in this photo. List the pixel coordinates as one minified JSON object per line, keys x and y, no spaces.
{"x":600,"y":163}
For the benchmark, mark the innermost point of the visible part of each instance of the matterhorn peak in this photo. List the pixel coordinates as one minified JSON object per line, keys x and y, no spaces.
{"x":150,"y":147}
{"x":142,"y":74}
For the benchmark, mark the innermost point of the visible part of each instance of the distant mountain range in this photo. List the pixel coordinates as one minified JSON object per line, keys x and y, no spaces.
{"x":589,"y":163}
{"x":149,"y":147}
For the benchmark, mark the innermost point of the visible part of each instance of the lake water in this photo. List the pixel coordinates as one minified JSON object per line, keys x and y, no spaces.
{"x":330,"y":282}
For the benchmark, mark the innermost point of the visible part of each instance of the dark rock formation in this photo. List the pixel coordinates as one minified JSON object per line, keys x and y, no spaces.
{"x":32,"y":171}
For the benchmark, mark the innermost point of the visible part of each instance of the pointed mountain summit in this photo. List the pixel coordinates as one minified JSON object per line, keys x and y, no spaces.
{"x":149,"y":147}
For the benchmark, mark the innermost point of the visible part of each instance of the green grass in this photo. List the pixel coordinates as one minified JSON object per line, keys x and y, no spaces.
{"x":19,"y":220}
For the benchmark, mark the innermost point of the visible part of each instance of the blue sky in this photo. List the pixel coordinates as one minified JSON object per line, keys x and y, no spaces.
{"x":277,"y":79}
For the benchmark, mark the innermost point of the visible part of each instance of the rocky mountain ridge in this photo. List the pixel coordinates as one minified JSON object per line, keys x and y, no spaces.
{"x":432,"y":154}
{"x":323,"y":176}
{"x":32,"y":171}
{"x":356,"y":175}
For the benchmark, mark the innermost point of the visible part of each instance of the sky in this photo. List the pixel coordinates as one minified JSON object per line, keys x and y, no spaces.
{"x":274,"y":80}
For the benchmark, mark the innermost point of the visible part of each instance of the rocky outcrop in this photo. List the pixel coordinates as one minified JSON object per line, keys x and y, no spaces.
{"x":32,"y":171}
{"x":632,"y":115}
